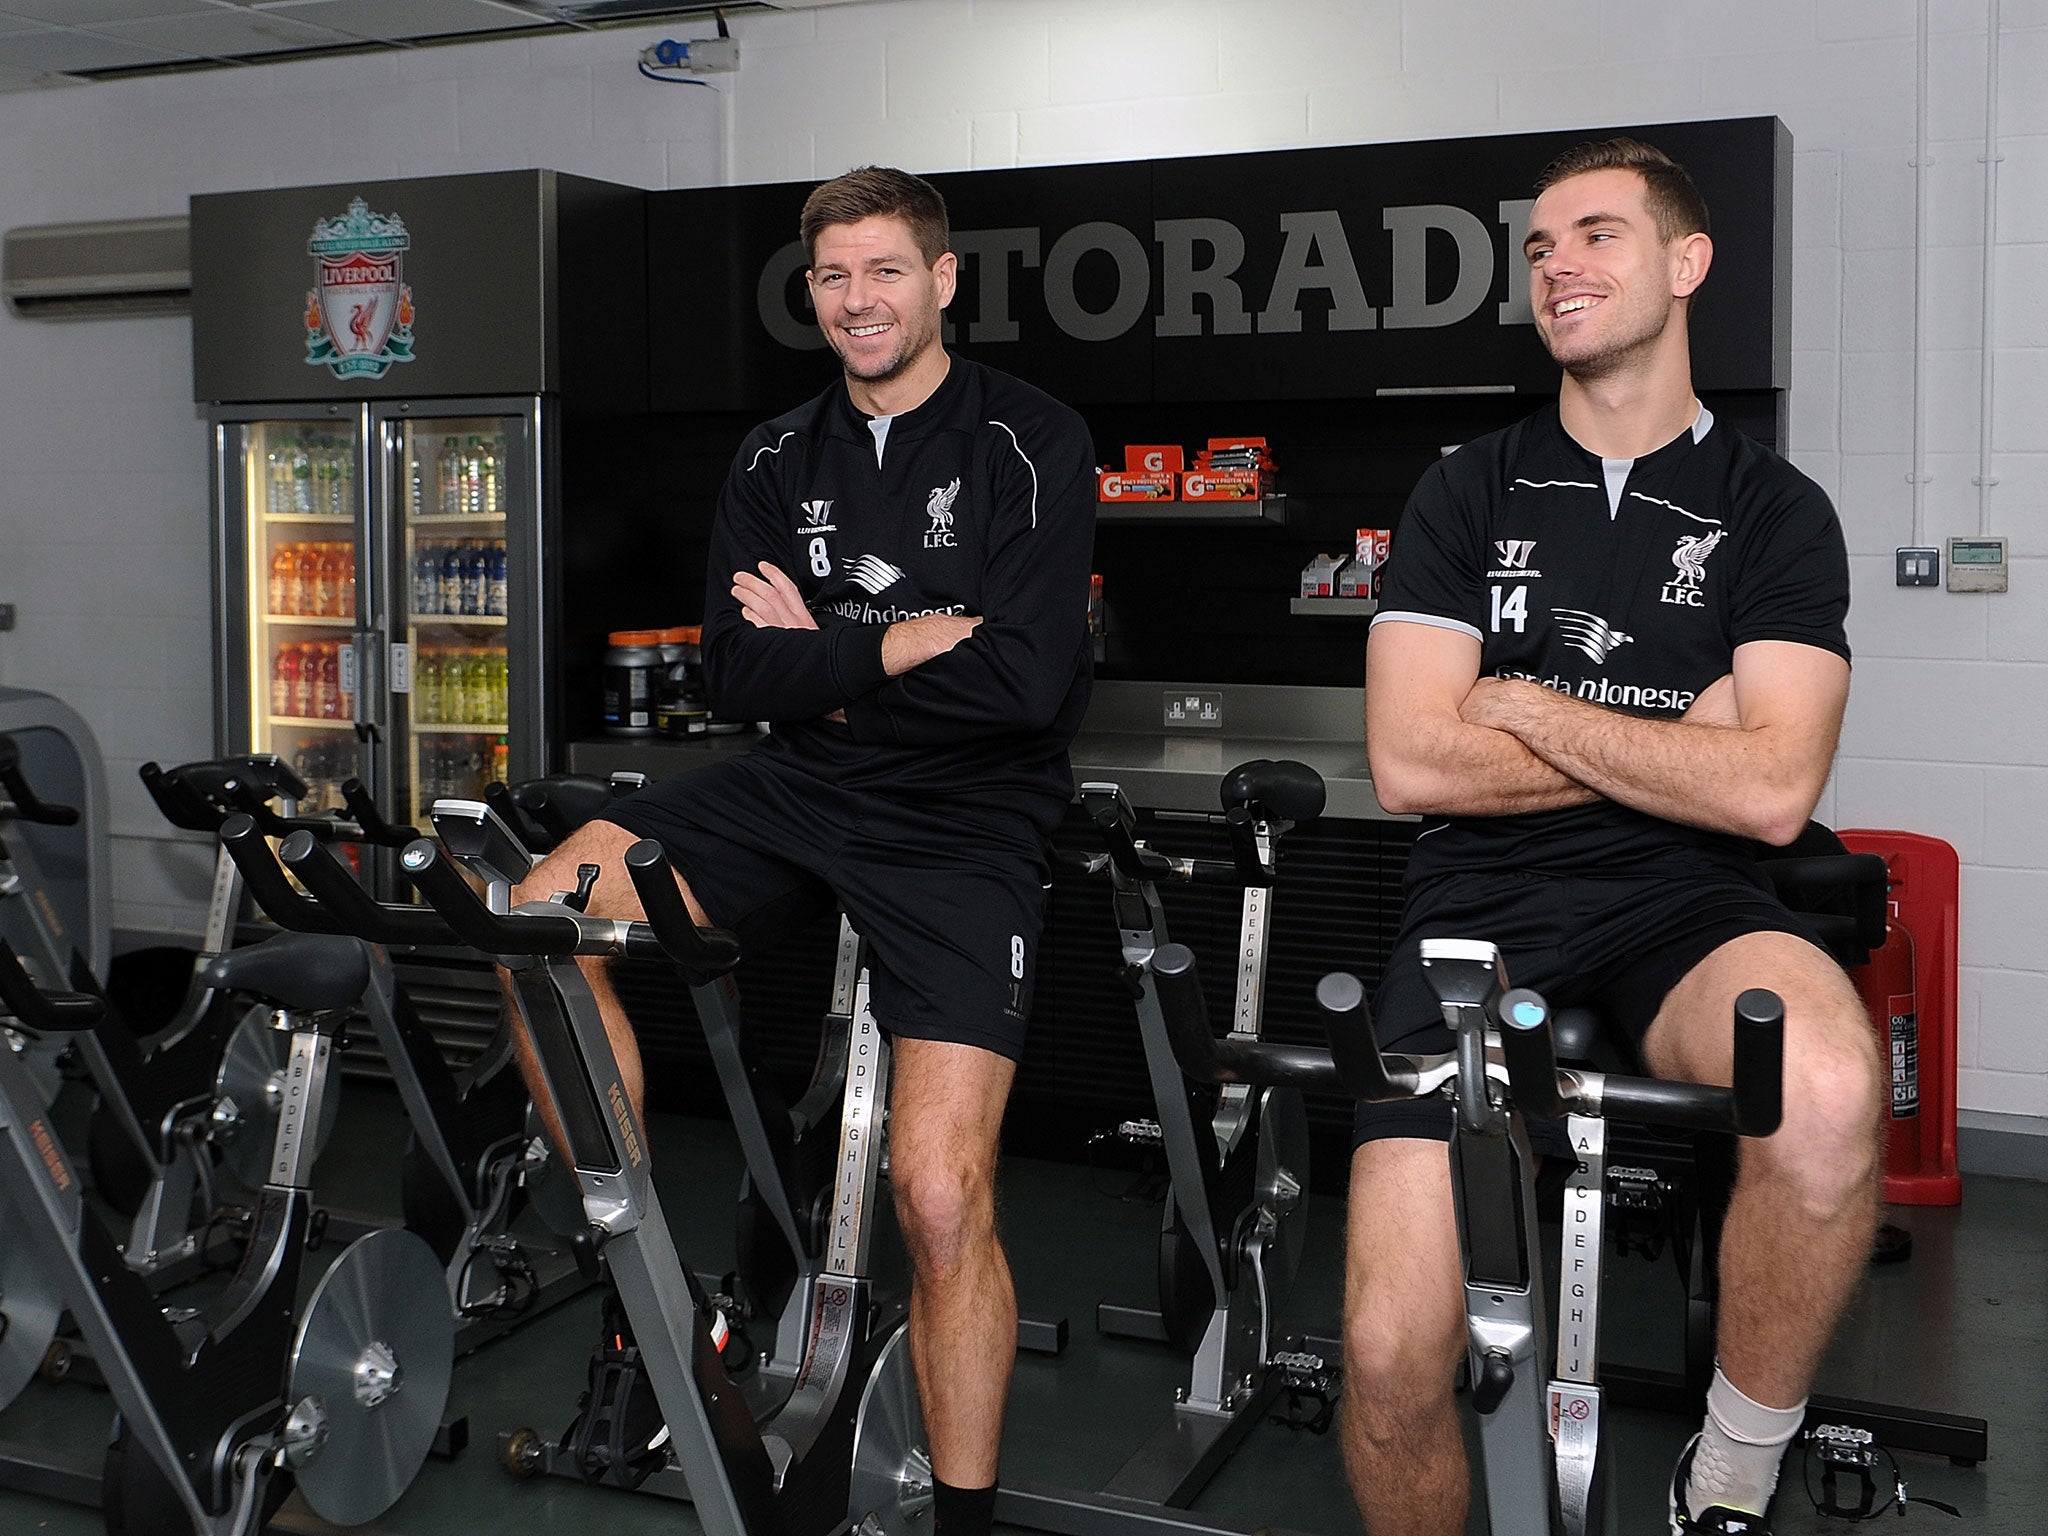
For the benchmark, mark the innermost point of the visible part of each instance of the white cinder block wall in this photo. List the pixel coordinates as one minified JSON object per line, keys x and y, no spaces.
{"x":103,"y":518}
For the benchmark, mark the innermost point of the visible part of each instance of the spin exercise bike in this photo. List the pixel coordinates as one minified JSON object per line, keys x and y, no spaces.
{"x":222,"y":1409}
{"x":1536,"y":1434}
{"x":470,"y":1156}
{"x":1237,"y":1156}
{"x":828,"y":1433}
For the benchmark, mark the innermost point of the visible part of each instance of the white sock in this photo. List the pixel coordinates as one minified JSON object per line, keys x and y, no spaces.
{"x":1741,"y":1444}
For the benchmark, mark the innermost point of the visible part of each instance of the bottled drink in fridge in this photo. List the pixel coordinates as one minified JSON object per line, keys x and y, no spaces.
{"x":498,"y":701}
{"x":426,"y":579}
{"x":426,"y":686}
{"x":326,"y":681}
{"x":302,"y":476}
{"x":475,"y":680}
{"x":283,"y":566}
{"x":304,"y":562}
{"x":321,"y":451}
{"x":501,"y":762}
{"x":491,"y":486}
{"x":284,"y":679}
{"x":448,"y":476}
{"x":494,"y":578}
{"x":475,"y":592}
{"x":451,"y":578}
{"x":341,"y":477}
{"x":345,"y":680}
{"x":303,"y":685}
{"x":473,"y":477}
{"x":320,"y":591}
{"x":345,"y":582}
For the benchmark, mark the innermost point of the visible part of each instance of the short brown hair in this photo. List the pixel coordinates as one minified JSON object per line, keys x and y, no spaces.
{"x":1674,"y":202}
{"x":878,"y":191}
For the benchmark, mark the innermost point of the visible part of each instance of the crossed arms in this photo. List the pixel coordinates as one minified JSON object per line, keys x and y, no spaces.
{"x":1748,"y":758}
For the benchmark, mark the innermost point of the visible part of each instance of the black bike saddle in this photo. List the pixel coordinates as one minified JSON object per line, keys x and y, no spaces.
{"x":294,"y":970}
{"x":1285,"y":789}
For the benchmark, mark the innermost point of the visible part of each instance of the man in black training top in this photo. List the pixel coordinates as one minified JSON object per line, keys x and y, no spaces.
{"x":1608,"y":654}
{"x":898,"y":582}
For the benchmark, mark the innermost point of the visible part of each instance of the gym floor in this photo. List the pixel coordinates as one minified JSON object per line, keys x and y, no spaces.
{"x":1961,"y":1327}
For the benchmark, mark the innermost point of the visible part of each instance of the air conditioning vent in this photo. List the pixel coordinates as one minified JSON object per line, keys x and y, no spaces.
{"x":116,"y":268}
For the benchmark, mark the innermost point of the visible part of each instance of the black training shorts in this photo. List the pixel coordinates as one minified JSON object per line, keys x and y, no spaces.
{"x":1614,"y":943}
{"x":950,"y":898}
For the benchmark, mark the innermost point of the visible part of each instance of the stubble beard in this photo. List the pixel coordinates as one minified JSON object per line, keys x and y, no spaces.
{"x":911,"y":344}
{"x":1615,"y":355}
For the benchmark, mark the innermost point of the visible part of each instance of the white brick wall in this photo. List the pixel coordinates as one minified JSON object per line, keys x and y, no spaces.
{"x":102,"y":498}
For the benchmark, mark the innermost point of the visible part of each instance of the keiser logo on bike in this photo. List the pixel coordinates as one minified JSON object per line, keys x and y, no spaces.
{"x":939,"y":508}
{"x":623,"y":1115}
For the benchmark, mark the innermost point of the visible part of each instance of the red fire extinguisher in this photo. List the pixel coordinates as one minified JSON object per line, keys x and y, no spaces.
{"x":1890,"y":993}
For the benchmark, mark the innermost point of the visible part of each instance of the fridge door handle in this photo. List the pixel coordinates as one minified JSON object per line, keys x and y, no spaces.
{"x":366,"y":655}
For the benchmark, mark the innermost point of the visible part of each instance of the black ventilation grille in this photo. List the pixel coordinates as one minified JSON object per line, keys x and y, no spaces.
{"x":458,"y":1001}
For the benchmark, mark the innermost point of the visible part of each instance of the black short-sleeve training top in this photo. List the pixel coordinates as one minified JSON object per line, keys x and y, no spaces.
{"x":1625,"y":582}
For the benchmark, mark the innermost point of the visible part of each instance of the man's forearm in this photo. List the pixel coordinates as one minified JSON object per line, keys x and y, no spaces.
{"x":1455,"y":769}
{"x":1702,"y":775}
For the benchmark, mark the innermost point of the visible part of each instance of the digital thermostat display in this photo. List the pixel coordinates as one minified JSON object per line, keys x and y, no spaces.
{"x":1976,"y":565}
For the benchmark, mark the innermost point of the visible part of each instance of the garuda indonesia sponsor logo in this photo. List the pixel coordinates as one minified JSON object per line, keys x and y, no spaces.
{"x":1589,"y":634}
{"x":359,"y":312}
{"x":873,"y":574}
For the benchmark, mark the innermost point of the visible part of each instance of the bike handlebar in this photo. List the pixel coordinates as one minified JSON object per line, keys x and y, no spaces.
{"x":26,"y":806}
{"x":1233,"y":1058}
{"x":353,"y":907}
{"x":699,"y":951}
{"x":40,"y":1012}
{"x":1355,"y":1065}
{"x":543,"y":934}
{"x":181,"y":803}
{"x":356,"y":796}
{"x":245,"y":844}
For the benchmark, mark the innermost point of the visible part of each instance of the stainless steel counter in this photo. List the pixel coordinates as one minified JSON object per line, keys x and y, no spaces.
{"x":1168,"y":745}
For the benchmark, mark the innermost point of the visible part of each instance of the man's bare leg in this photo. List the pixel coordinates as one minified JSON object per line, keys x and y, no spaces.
{"x":1404,"y":1333}
{"x":603,"y":844}
{"x":945,"y":1117}
{"x":1805,"y":1204}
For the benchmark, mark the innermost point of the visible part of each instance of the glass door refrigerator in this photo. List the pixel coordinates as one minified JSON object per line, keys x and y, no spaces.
{"x":382,"y":575}
{"x":297,"y":590}
{"x":463,"y":698}
{"x":390,"y":369}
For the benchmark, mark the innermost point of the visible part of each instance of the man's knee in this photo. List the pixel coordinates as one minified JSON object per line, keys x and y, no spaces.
{"x":944,"y":1208}
{"x":1834,"y":1093}
{"x":1404,"y":1317}
{"x":602,"y":843}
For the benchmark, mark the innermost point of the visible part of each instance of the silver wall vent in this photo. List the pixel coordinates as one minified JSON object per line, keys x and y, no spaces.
{"x":115,"y":268}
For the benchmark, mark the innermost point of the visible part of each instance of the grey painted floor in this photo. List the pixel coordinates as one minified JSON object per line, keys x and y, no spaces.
{"x":1962,"y":1327}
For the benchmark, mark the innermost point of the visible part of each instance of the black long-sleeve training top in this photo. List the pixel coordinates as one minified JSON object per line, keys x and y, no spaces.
{"x":981,"y":501}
